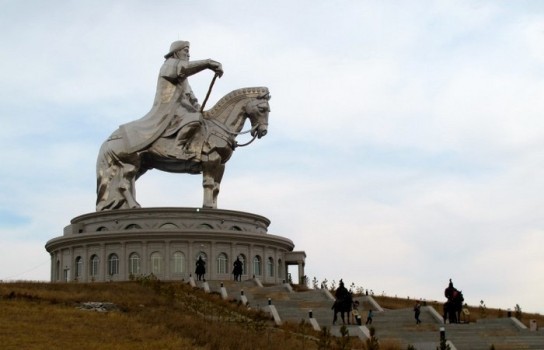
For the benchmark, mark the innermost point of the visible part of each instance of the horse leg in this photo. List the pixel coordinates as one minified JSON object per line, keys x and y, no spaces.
{"x":451,"y":314}
{"x":207,"y":186}
{"x":217,"y":183}
{"x":116,"y":176}
{"x":211,"y":170}
{"x":127,"y":191}
{"x":127,"y":186}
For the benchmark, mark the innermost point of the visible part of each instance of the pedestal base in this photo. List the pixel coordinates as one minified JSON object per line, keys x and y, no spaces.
{"x":118,"y":245}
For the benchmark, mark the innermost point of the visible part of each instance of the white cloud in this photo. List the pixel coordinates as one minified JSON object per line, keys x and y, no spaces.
{"x":404,"y":147}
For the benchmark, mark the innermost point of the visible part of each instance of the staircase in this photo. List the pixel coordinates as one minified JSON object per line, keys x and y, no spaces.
{"x":400,"y":325}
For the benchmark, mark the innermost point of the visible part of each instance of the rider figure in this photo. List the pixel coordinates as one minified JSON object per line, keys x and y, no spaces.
{"x":237,"y":269}
{"x":341,"y":293}
{"x":342,"y":303}
{"x":200,"y":270}
{"x":450,"y":292}
{"x":175,"y":108}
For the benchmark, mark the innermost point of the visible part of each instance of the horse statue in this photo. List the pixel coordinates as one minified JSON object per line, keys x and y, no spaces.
{"x":343,"y":303}
{"x":343,"y":306}
{"x":237,"y":270}
{"x":454,"y":305}
{"x":200,"y":270}
{"x":212,"y":143}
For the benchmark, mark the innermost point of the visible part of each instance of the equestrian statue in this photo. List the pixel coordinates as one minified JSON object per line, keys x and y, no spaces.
{"x":343,"y":303}
{"x":454,"y":305}
{"x":177,"y":135}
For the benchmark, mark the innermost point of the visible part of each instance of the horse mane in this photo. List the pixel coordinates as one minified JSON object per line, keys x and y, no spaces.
{"x":234,"y":97}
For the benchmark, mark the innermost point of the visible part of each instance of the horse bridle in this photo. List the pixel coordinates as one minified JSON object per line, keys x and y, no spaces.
{"x":236,"y":144}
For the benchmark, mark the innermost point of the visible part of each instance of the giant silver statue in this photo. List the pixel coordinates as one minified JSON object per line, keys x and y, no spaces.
{"x":177,"y":135}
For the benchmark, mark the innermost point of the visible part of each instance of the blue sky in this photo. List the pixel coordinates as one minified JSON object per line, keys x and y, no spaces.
{"x":405,"y":144}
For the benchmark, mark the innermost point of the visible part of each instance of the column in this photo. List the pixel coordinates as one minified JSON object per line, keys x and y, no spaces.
{"x":104,"y":263}
{"x":71,"y":269}
{"x":190,"y":259}
{"x":144,"y":260}
{"x":53,"y":263}
{"x":123,"y":262}
{"x":167,"y":260}
{"x":60,"y":267}
{"x":85,"y":268}
{"x":212,"y":264}
{"x":300,"y":265}
{"x":249,"y":265}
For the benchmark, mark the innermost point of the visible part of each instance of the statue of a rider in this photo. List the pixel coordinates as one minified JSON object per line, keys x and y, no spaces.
{"x":175,"y":108}
{"x":450,"y":291}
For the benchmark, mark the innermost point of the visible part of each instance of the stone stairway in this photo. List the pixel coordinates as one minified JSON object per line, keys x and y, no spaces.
{"x":504,"y":333}
{"x":400,"y":325}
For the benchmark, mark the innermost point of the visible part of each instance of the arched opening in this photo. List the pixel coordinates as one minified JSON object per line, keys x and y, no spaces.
{"x":94,"y":265}
{"x":79,"y":267}
{"x":134,"y":264}
{"x":222,"y":263}
{"x":156,"y":263}
{"x":270,"y":267}
{"x":113,"y":265}
{"x":178,"y":259}
{"x":257,"y":266}
{"x":243,"y":260}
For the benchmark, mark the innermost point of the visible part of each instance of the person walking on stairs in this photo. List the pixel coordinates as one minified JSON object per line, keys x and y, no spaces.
{"x":369,"y":317}
{"x":417,"y":311}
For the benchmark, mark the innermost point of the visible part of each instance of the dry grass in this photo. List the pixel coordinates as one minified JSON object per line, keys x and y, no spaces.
{"x":151,"y":315}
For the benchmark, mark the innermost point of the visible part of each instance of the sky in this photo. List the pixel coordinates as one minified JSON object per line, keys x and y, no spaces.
{"x":405,"y":144}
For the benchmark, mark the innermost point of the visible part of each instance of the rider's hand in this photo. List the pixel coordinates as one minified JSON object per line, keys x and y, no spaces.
{"x":217,"y":68}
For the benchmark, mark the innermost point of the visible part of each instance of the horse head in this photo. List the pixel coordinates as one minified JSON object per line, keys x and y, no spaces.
{"x":257,"y":111}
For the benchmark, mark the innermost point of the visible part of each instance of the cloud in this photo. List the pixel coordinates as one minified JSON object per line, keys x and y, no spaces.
{"x":404,"y":146}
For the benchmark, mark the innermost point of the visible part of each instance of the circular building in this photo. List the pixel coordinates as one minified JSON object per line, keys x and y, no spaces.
{"x":119,"y":245}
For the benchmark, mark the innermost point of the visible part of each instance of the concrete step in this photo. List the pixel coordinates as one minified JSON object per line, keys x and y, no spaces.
{"x":389,"y":324}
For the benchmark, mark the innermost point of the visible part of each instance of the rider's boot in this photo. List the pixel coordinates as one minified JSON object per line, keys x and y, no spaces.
{"x":181,"y":148}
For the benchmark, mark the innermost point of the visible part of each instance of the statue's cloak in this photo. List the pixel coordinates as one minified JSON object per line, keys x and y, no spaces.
{"x":171,"y":88}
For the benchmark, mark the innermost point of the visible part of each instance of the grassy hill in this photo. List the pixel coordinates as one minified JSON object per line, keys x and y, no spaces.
{"x":150,"y":314}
